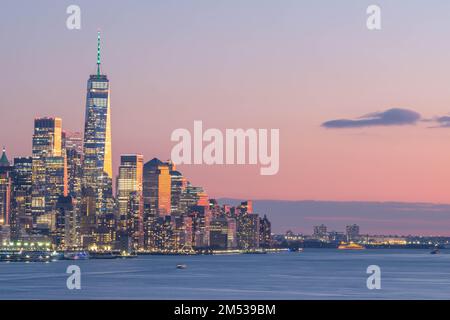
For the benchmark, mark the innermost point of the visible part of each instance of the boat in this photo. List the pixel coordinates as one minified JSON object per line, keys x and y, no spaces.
{"x":127,"y":255}
{"x":435,"y":251}
{"x":181,"y":266}
{"x":103,"y":255}
{"x":26,"y":256}
{"x":350,"y":246}
{"x":77,"y":255}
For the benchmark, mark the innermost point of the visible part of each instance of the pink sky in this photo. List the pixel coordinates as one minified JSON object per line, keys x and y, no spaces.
{"x":290,"y":66}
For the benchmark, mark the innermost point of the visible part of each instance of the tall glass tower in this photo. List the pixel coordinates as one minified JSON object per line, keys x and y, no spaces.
{"x":97,"y":166}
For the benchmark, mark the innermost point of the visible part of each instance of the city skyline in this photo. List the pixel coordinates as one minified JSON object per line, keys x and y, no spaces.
{"x":62,"y":196}
{"x":395,"y":153}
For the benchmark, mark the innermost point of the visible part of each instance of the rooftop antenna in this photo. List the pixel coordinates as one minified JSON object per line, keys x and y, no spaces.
{"x":98,"y":54}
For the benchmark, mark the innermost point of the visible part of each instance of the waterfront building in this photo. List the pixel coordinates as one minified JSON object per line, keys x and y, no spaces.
{"x":65,"y":234}
{"x":218,"y":233}
{"x":88,"y":217}
{"x":5,"y":189}
{"x":320,"y":232}
{"x":160,"y":235}
{"x":248,"y":231}
{"x":335,"y":236}
{"x":232,"y":233}
{"x":352,"y":232}
{"x":181,"y":233}
{"x":265,"y":233}
{"x":21,"y":215}
{"x":201,"y":219}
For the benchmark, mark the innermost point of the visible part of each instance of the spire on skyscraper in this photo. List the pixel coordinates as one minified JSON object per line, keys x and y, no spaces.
{"x":4,"y":162}
{"x":98,"y":54}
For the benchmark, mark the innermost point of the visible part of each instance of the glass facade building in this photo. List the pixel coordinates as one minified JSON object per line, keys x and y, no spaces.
{"x":97,"y":163}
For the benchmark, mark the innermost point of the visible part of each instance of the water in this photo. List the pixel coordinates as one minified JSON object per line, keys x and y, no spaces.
{"x":313,"y":274}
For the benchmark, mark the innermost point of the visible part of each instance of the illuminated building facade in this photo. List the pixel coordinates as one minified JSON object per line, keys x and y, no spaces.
{"x":130,"y":198}
{"x":248,"y":231}
{"x":21,"y":217}
{"x":97,"y":163}
{"x":47,"y":143}
{"x":265,"y":233}
{"x":5,"y":189}
{"x":218,"y":233}
{"x":178,"y":185}
{"x":157,"y":187}
{"x":63,"y":193}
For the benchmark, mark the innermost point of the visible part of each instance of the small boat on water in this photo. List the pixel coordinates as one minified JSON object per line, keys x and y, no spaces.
{"x":103,"y":255}
{"x":181,"y":266}
{"x":350,"y":246}
{"x":128,"y":256}
{"x":76,"y":255}
{"x":435,"y":251}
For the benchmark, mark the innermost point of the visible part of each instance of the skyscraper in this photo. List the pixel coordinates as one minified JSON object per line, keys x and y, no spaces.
{"x":178,"y":185}
{"x":5,"y":189}
{"x":21,"y":218}
{"x":157,"y":187}
{"x":97,"y":163}
{"x":130,"y":198}
{"x":47,"y":151}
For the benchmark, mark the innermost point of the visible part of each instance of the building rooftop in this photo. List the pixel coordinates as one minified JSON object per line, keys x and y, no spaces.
{"x":4,"y":162}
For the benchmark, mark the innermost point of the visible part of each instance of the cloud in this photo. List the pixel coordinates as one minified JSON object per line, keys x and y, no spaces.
{"x":441,"y":122}
{"x":391,"y":117}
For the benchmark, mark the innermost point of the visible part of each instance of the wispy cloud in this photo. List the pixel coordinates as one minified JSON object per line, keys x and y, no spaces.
{"x":440,"y":122}
{"x":391,"y":117}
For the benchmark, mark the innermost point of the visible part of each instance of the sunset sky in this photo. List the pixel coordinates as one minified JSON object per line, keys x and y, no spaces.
{"x":292,"y":65}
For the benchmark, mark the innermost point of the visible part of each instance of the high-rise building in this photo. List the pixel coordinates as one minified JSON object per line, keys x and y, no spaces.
{"x":130,"y":198}
{"x":157,"y":187}
{"x":265,"y":232}
{"x":5,"y":189}
{"x":21,"y":217}
{"x":218,"y":233}
{"x":47,"y":143}
{"x":201,"y":222}
{"x":178,"y":185}
{"x":232,"y":233}
{"x":97,"y":163}
{"x":65,"y":234}
{"x":352,"y":232}
{"x":247,"y":231}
